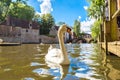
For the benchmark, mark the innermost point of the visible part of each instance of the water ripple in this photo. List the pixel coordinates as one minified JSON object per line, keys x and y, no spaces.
{"x":36,"y":64}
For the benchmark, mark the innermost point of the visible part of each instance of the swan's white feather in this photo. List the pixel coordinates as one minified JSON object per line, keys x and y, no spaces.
{"x":54,"y":55}
{"x":58,"y":56}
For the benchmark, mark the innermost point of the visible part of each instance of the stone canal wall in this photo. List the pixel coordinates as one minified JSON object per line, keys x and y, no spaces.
{"x":24,"y":35}
{"x":49,"y":40}
{"x":113,"y":47}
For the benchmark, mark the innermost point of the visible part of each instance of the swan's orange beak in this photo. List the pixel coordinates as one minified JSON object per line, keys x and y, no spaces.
{"x":69,"y":30}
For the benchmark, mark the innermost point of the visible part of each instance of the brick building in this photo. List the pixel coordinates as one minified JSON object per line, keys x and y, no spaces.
{"x":16,"y":30}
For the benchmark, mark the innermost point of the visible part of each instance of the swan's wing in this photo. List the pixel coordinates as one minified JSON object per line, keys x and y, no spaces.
{"x":54,"y":52}
{"x":54,"y":55}
{"x":50,"y":48}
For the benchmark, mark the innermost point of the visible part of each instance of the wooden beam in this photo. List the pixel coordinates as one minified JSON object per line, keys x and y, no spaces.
{"x":116,"y":13}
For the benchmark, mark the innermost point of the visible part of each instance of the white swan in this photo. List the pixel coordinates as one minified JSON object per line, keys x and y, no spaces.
{"x":59,"y":56}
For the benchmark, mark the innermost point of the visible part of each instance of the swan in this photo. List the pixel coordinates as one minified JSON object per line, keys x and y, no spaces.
{"x":59,"y":56}
{"x":1,"y":41}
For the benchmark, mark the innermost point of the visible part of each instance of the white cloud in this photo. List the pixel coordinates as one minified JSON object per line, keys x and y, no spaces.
{"x":45,"y":6}
{"x":79,"y":17}
{"x":85,"y":7}
{"x":85,"y":25}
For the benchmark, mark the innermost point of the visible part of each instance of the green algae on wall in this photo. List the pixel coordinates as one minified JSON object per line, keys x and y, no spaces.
{"x":113,"y":29}
{"x":113,"y":24}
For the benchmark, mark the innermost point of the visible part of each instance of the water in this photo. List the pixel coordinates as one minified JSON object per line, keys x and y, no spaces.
{"x":88,"y":62}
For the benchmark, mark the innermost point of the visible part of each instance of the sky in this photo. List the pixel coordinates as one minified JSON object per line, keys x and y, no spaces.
{"x":65,"y":11}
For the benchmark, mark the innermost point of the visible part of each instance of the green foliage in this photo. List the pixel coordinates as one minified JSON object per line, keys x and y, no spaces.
{"x":95,"y":9}
{"x":37,"y":18}
{"x":46,"y":21}
{"x":21,"y":11}
{"x":17,"y":8}
{"x":60,"y":23}
{"x":4,"y":8}
{"x":95,"y":30}
{"x":76,"y":28}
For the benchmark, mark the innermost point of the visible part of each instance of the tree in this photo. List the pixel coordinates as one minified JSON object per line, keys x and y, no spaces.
{"x":95,"y":30}
{"x":37,"y":18}
{"x":96,"y":10}
{"x":46,"y":22}
{"x":4,"y":8}
{"x":21,"y":11}
{"x":60,"y":23}
{"x":76,"y":27}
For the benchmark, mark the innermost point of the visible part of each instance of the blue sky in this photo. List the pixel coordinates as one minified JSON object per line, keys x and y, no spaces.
{"x":64,"y":10}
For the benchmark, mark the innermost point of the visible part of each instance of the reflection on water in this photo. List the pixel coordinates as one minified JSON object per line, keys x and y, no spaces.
{"x":88,"y":62}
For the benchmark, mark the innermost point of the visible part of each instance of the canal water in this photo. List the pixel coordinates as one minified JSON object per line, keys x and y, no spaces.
{"x":87,"y":62}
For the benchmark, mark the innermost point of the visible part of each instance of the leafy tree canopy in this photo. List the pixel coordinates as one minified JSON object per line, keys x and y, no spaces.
{"x":46,"y":21}
{"x":17,"y":8}
{"x":21,"y":11}
{"x":95,"y":30}
{"x":60,"y":23}
{"x":76,"y":27}
{"x":4,"y":7}
{"x":95,"y":10}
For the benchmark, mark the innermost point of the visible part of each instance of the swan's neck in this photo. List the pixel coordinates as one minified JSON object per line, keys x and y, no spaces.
{"x":61,"y":42}
{"x":62,"y":47}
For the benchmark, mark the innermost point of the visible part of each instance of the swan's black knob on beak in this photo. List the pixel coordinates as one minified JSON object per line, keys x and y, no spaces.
{"x":69,"y":30}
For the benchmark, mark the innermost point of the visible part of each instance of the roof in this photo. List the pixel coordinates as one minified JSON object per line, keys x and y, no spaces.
{"x":12,"y":21}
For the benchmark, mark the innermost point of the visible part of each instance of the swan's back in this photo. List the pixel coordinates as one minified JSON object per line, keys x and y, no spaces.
{"x":54,"y":55}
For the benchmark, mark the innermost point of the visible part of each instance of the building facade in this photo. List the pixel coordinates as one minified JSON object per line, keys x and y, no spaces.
{"x":16,"y":30}
{"x":112,"y":20}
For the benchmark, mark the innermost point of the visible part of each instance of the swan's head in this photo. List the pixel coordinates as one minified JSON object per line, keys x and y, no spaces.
{"x":65,"y":28}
